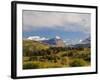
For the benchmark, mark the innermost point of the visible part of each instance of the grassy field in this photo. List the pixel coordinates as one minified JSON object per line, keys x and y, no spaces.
{"x":38,"y":55}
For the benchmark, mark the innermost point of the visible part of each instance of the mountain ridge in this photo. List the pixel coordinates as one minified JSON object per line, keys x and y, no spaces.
{"x":58,"y":42}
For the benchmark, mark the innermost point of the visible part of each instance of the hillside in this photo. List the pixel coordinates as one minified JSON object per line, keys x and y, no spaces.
{"x":40,"y":55}
{"x":34,"y":45}
{"x":53,"y":42}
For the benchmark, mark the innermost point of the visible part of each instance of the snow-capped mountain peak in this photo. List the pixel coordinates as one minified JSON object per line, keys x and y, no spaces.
{"x":86,"y":41}
{"x":57,"y":37}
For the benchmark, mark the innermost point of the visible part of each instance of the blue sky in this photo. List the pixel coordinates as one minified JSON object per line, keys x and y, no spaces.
{"x":71,"y":27}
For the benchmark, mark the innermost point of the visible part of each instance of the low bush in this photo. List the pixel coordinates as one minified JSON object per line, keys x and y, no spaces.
{"x":77,"y":63}
{"x":30,"y":66}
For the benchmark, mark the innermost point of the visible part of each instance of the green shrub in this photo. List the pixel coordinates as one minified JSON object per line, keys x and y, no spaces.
{"x":33,"y":58}
{"x":64,"y":60}
{"x":77,"y":63}
{"x":30,"y":66}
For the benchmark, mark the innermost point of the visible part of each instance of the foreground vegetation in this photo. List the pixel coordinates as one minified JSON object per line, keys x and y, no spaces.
{"x":38,"y":55}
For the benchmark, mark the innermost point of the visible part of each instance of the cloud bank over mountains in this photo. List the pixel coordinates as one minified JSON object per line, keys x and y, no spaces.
{"x":71,"y":27}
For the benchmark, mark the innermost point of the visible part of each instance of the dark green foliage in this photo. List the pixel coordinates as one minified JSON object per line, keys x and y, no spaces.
{"x":38,"y":55}
{"x":77,"y":63}
{"x":30,"y":66}
{"x":33,"y":58}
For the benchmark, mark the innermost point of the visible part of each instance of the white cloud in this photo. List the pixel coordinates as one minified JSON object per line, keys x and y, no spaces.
{"x":58,"y":37}
{"x":80,"y":41}
{"x":32,"y":19}
{"x":37,"y":38}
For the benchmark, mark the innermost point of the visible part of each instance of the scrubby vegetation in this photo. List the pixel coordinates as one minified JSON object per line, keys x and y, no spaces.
{"x":38,"y":55}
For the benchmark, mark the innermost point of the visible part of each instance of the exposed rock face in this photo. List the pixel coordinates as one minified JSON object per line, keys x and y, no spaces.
{"x":59,"y":43}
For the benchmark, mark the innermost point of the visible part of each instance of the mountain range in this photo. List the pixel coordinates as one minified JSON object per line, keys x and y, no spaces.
{"x":55,"y":42}
{"x":58,"y":42}
{"x":84,"y":43}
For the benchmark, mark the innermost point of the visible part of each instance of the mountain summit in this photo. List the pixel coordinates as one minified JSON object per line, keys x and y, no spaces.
{"x":87,"y":41}
{"x":55,"y":42}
